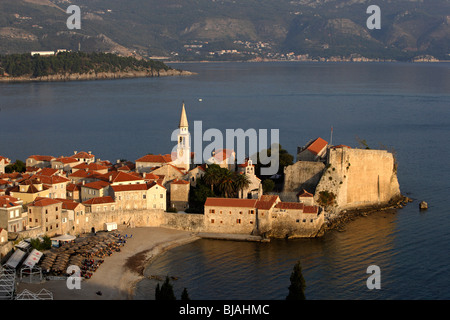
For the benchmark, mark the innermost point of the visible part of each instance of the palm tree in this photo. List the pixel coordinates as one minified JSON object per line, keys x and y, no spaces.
{"x":226,"y":182}
{"x":212,"y":175}
{"x":241,"y":182}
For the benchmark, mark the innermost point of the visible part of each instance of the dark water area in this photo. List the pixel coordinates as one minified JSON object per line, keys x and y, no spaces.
{"x":399,"y":106}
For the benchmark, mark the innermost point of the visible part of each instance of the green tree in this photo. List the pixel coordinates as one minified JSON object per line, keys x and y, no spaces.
{"x":268,"y":185}
{"x":212,"y":175}
{"x":185,"y":295}
{"x":241,"y":181}
{"x":284,"y":159}
{"x":18,"y":166}
{"x":226,"y":183}
{"x":297,"y":287}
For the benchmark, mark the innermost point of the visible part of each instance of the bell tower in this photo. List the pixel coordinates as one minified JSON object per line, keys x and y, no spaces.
{"x":184,"y":142}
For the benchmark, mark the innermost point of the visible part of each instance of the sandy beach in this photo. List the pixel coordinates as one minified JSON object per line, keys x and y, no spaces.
{"x":119,"y":273}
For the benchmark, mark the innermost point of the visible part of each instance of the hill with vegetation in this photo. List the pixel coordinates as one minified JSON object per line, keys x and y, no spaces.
{"x":230,"y":29}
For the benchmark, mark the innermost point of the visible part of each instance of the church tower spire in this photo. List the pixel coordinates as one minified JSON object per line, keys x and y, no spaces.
{"x":184,"y":143}
{"x":183,"y":119}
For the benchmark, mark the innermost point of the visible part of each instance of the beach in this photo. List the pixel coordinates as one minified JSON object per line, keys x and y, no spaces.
{"x":116,"y":278}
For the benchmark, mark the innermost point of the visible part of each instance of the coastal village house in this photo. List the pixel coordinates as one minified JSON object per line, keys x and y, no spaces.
{"x":38,"y":161}
{"x":313,"y":151}
{"x":12,"y":216}
{"x":3,"y":163}
{"x":94,"y":189}
{"x":29,"y":190}
{"x":74,"y":216}
{"x":64,"y":163}
{"x":268,"y":214}
{"x":100,"y":204}
{"x":254,"y":190}
{"x":47,"y":214}
{"x":224,"y":158}
{"x":82,"y":156}
{"x":179,"y":194}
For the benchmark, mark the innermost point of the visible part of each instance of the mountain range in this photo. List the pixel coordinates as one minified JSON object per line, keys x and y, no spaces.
{"x":230,"y":29}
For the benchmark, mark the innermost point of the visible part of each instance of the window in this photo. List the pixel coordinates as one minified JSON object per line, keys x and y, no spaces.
{"x":298,"y":220}
{"x":56,"y":209}
{"x":11,"y":214}
{"x":161,"y":195}
{"x":238,"y":221}
{"x":311,"y":220}
{"x":144,"y":196}
{"x":212,"y":220}
{"x":304,"y":220}
{"x":29,"y":210}
{"x":46,"y":211}
{"x":251,"y":221}
{"x":31,"y":220}
{"x":240,"y":212}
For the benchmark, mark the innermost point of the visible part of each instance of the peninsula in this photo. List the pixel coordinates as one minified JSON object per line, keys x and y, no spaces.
{"x":65,"y":66}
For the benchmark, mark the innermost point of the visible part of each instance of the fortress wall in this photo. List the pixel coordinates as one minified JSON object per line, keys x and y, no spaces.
{"x":301,"y":175}
{"x":360,"y":177}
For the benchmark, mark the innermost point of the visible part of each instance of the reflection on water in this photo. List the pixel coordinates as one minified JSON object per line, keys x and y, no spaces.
{"x":334,"y":266}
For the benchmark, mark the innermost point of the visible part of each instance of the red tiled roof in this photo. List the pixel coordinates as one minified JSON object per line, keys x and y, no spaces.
{"x":176,"y":181}
{"x":317,"y":145}
{"x":96,"y":167}
{"x":266,"y":202}
{"x":42,"y":158}
{"x":305,"y":193}
{"x":69,"y":204}
{"x":47,"y":172}
{"x":290,"y":205}
{"x":311,"y":209}
{"x":65,"y":160}
{"x":99,"y":200}
{"x":119,"y":176}
{"x":155,"y":158}
{"x":81,"y":166}
{"x":83,"y":155}
{"x":4,"y":158}
{"x":96,"y":185}
{"x":5,"y":182}
{"x":130,"y":187}
{"x":8,"y":204}
{"x":52,"y":179}
{"x":155,"y":183}
{"x":73,"y":187}
{"x":223,"y":154}
{"x":230,"y":202}
{"x":43,"y":202}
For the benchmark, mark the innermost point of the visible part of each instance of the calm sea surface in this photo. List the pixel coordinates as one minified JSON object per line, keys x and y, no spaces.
{"x":405,"y":107}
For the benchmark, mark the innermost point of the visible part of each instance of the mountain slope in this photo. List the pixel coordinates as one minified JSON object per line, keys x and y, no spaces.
{"x":229,"y":29}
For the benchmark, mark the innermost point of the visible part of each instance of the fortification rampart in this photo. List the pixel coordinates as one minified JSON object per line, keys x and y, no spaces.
{"x":359,"y":178}
{"x":301,"y":175}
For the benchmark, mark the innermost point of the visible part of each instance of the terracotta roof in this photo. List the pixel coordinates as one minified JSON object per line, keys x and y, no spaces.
{"x":151,"y":176}
{"x":266,"y":202}
{"x":7,"y":204}
{"x":119,"y":176}
{"x":81,"y":174}
{"x":155,"y":158}
{"x":4,"y":158}
{"x":305,"y":193}
{"x":96,"y":167}
{"x":223,"y":154}
{"x":230,"y":202}
{"x":130,"y":187}
{"x":317,"y":145}
{"x":99,"y":200}
{"x":81,"y":166}
{"x":69,"y":204}
{"x":83,"y":155}
{"x":47,"y":172}
{"x":311,"y":209}
{"x":155,"y":183}
{"x":73,"y":187}
{"x":65,"y":160}
{"x":52,"y":179}
{"x":43,"y":202}
{"x":177,"y":181}
{"x":290,"y":205}
{"x":96,"y":185}
{"x":42,"y":158}
{"x":5,"y":182}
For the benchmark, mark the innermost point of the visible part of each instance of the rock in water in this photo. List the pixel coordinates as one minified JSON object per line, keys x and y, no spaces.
{"x":423,"y":205}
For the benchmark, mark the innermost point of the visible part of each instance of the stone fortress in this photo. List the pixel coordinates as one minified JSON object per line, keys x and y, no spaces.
{"x":73,"y":195}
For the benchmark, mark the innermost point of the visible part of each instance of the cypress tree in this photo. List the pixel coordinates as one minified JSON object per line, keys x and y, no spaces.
{"x":185,"y":295}
{"x":297,"y":287}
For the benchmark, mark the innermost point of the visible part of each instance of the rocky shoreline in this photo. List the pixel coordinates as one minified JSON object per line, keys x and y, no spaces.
{"x":338,"y":220}
{"x":99,"y":76}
